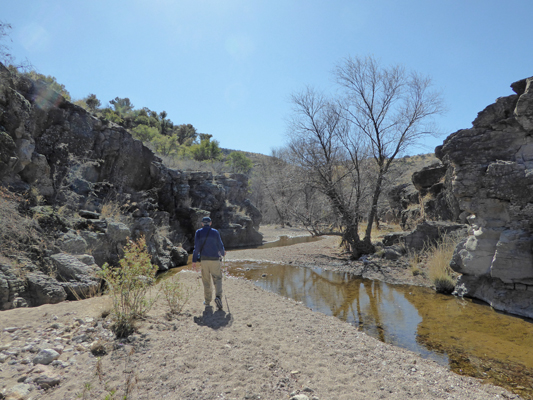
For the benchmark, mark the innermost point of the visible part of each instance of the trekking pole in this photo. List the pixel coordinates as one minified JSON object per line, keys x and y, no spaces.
{"x":226,"y":297}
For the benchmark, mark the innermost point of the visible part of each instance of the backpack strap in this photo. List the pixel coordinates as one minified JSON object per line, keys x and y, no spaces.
{"x":206,"y":236}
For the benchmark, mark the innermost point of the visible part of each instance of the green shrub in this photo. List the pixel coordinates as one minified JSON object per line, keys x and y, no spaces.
{"x":176,"y":295}
{"x":129,"y":286}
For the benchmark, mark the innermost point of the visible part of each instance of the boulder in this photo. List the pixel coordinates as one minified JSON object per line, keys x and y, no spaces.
{"x":393,"y":238}
{"x":46,"y":356}
{"x":77,"y":279}
{"x":21,"y":391}
{"x":429,"y":232}
{"x":72,"y":243}
{"x":43,"y":289}
{"x":38,"y":174}
{"x":392,"y":252}
{"x":179,"y":256}
{"x":144,"y":226}
{"x":118,"y":232}
{"x":89,"y":214}
{"x":429,"y":176}
{"x":98,"y":225}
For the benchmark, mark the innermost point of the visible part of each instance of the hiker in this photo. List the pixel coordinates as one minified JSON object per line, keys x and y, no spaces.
{"x":208,"y":249}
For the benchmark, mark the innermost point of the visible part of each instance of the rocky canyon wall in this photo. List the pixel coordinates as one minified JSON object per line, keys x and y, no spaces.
{"x":77,"y":164}
{"x":490,"y":174}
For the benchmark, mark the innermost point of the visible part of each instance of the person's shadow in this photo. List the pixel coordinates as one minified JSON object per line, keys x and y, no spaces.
{"x":215,"y":320}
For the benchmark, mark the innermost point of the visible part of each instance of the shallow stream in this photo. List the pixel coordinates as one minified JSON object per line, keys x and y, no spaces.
{"x":468,"y":336}
{"x":471,"y":338}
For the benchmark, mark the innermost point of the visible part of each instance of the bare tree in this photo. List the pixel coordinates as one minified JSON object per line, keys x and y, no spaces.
{"x":322,"y":143}
{"x":389,"y":109}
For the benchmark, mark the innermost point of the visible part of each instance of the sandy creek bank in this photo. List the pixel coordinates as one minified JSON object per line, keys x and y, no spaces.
{"x":261,"y":346}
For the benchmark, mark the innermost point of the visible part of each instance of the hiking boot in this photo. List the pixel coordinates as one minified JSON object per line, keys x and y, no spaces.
{"x":218,"y":302}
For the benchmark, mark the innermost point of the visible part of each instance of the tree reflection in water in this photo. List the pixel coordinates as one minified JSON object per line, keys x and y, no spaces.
{"x":374,"y":307}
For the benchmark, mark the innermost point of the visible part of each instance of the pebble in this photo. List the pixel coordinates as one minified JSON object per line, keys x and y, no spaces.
{"x":299,"y":397}
{"x":46,"y":356}
{"x":47,"y":345}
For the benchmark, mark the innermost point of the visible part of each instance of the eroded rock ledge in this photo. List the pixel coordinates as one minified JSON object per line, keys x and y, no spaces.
{"x":490,"y":173}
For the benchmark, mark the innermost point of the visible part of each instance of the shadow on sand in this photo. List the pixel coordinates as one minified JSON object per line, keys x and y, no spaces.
{"x":215,"y":320}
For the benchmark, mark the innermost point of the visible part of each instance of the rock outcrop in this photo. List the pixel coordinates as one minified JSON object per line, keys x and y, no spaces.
{"x":425,"y":199}
{"x":490,"y":174}
{"x":110,"y":186}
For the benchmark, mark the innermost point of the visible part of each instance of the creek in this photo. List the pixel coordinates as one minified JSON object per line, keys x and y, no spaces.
{"x":468,"y":336}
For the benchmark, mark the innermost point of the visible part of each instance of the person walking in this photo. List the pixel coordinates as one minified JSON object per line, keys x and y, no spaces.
{"x":208,"y":249}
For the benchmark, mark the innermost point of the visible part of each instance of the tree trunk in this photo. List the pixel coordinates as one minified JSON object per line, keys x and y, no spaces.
{"x":374,"y":209}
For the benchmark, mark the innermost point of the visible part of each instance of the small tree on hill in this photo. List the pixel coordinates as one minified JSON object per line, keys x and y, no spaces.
{"x":92,"y":102}
{"x":186,"y":134}
{"x":239,"y":163}
{"x":207,"y":150}
{"x":122,"y":106}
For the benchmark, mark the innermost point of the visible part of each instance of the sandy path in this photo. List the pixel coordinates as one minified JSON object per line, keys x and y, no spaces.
{"x":262,"y":347}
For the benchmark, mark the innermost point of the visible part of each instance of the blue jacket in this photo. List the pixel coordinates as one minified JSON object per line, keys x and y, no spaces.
{"x":213,"y":247}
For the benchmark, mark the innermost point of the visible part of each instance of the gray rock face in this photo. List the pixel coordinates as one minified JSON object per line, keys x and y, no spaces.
{"x":425,"y":199}
{"x":512,"y":298}
{"x":79,"y":280}
{"x":490,"y":169}
{"x":10,"y":287}
{"x":73,"y":243}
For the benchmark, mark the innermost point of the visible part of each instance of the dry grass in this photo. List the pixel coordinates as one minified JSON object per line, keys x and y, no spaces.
{"x":111,"y":210}
{"x":415,"y":261}
{"x":438,"y":263}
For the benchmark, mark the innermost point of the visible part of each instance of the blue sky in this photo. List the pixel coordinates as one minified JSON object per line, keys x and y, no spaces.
{"x":229,"y":66}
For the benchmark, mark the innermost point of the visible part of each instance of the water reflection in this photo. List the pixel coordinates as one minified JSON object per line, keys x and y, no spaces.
{"x":471,"y":338}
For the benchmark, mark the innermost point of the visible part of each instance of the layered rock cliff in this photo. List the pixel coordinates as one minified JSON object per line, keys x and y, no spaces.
{"x":79,"y":167}
{"x":490,"y":174}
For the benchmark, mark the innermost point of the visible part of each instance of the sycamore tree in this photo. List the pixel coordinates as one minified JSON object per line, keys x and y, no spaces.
{"x":381,"y":111}
{"x":321,"y":143}
{"x":390,"y":109}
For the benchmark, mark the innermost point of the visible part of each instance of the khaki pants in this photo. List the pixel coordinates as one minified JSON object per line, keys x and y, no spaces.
{"x":211,"y":270}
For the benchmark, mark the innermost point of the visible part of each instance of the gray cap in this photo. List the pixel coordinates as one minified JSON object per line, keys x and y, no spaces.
{"x":206,"y":220}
